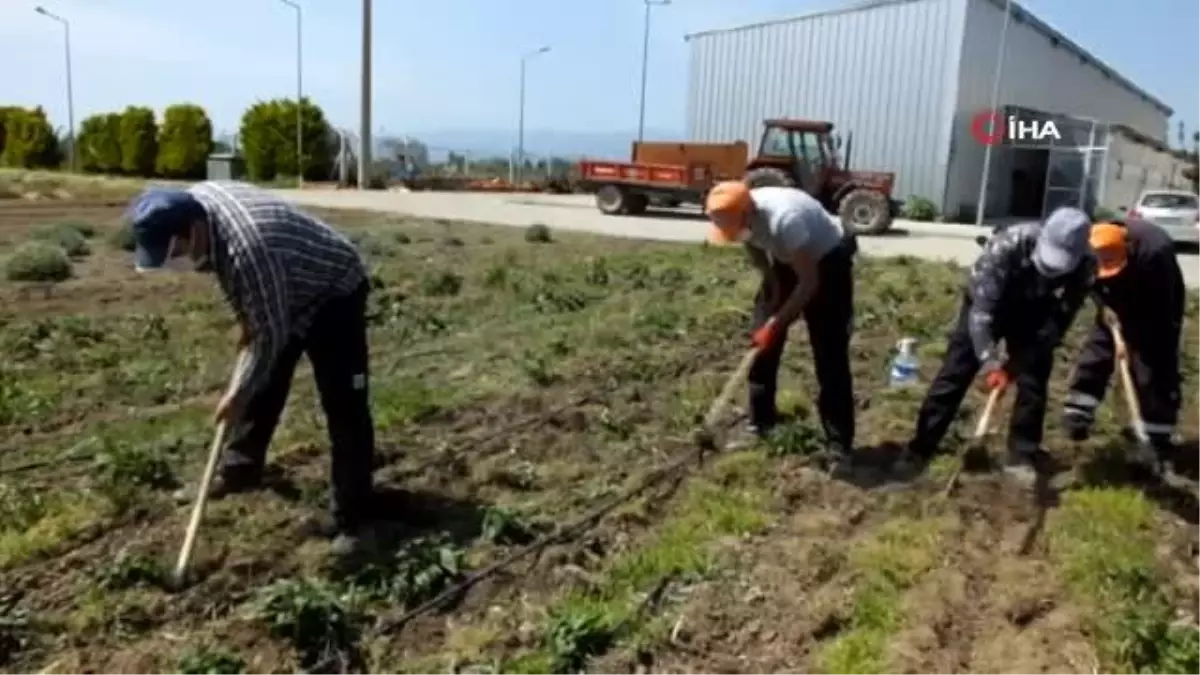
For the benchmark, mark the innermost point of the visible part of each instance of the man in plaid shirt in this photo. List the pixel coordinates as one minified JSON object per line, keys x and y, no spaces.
{"x":297,"y":286}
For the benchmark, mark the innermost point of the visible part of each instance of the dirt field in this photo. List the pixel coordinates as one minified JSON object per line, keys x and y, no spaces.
{"x":519,"y":386}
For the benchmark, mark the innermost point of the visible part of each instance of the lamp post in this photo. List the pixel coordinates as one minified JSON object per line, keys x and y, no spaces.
{"x":70,"y":95}
{"x":997,"y":76}
{"x":516,"y":175}
{"x":645,"y":64}
{"x":364,"y":121}
{"x":299,"y":92}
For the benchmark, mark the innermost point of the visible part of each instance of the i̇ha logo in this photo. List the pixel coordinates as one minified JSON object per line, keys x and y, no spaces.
{"x":990,"y":127}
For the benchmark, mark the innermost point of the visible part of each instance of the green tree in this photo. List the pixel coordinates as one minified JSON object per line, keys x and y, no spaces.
{"x":139,"y":141}
{"x":5,"y":111}
{"x":268,"y":140}
{"x":99,"y":143}
{"x":185,"y":141}
{"x":29,"y":140}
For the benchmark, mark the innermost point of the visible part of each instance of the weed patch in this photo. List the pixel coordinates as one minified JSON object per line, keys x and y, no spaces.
{"x":314,"y":618}
{"x":1104,"y":539}
{"x":208,"y":661}
{"x":885,"y":566}
{"x":38,"y":261}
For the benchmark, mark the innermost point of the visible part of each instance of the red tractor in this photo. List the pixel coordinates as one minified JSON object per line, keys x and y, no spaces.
{"x":804,"y":154}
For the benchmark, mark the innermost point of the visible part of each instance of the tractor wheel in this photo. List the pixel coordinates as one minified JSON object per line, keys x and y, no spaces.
{"x":768,"y":176}
{"x":611,"y":200}
{"x":867,"y":211}
{"x":636,"y":203}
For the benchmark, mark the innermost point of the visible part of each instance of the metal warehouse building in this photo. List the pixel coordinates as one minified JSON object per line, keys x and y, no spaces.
{"x":906,"y":77}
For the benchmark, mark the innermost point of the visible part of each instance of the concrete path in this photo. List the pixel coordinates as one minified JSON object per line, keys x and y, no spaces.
{"x":932,"y":241}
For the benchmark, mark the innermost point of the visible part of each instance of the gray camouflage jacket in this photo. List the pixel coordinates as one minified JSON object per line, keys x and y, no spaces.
{"x":1004,"y":280}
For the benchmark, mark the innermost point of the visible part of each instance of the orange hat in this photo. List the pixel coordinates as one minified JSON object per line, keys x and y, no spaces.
{"x":1108,"y":241}
{"x":728,"y":204}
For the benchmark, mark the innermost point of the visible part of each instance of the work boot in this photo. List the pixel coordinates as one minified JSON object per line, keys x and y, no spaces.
{"x":837,"y":460}
{"x":220,"y":487}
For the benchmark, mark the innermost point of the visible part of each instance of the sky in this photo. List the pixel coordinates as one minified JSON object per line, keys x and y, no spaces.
{"x":454,"y":64}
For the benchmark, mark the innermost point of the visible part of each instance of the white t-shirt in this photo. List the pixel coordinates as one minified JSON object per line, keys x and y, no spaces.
{"x":788,"y":220}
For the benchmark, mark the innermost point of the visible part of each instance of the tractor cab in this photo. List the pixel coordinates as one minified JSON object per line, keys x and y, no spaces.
{"x":805,"y":154}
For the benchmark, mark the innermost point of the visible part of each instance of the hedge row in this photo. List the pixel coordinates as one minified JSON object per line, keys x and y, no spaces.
{"x":134,"y":143}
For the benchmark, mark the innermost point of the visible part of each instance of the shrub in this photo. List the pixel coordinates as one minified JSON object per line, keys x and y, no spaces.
{"x":268,"y":137}
{"x":65,"y":237}
{"x":184,"y":142}
{"x":122,"y":238}
{"x":99,"y":143}
{"x":138,"y":141}
{"x":29,"y":140}
{"x":1101,"y":214}
{"x":87,"y":230}
{"x":538,"y":233}
{"x":38,"y":261}
{"x":919,"y":209}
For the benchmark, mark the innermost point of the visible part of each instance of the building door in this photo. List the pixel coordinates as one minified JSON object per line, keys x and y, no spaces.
{"x":1075,"y":167}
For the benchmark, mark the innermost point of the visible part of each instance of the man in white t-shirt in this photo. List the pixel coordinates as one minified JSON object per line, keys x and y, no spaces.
{"x":806,"y":260}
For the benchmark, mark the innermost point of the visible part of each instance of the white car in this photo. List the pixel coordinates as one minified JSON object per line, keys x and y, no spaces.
{"x":1173,"y":210}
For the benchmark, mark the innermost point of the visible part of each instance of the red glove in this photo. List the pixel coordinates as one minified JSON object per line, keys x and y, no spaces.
{"x":767,"y":335}
{"x":997,"y":378}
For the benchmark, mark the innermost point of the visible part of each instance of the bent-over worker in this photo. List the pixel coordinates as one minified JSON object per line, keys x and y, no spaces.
{"x":1025,"y":288}
{"x":1140,"y":280}
{"x":806,"y":261}
{"x":297,"y":286}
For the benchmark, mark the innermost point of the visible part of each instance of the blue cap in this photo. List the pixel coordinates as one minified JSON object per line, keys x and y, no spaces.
{"x":157,"y":216}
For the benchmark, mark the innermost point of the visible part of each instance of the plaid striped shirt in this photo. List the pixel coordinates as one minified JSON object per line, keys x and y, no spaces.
{"x":277,"y":266}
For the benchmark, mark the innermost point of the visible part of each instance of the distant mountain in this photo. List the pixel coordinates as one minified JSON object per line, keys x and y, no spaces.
{"x":538,"y":142}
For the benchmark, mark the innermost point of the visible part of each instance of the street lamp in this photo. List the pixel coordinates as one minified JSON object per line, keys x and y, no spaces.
{"x":645,"y":63}
{"x":70,"y":96}
{"x":520,"y":163}
{"x":299,"y":92}
{"x":997,"y":76}
{"x":364,"y":120}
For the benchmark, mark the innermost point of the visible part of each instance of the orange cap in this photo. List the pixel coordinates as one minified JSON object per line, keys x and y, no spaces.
{"x":1108,"y":241}
{"x":727,"y":205}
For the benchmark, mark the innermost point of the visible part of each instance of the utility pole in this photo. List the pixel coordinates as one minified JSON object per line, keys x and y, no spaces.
{"x":364,"y":121}
{"x":74,"y":157}
{"x":520,"y":160}
{"x":645,"y":65}
{"x":997,"y":117}
{"x":299,"y":93}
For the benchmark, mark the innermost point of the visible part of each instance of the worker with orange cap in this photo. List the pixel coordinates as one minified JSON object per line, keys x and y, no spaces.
{"x":806,"y":261}
{"x":1140,"y":280}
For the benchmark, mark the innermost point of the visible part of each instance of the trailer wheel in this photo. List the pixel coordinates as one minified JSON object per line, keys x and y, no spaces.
{"x":866,"y":211}
{"x":610,"y":199}
{"x":636,"y":203}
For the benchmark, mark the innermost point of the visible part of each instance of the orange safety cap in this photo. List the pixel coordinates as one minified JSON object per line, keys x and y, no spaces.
{"x":727,"y":205}
{"x":1108,"y":241}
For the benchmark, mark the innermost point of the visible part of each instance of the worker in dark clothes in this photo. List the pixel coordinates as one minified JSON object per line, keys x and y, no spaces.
{"x":1025,"y":289}
{"x":806,"y":261}
{"x":297,"y":286}
{"x":1140,"y":280}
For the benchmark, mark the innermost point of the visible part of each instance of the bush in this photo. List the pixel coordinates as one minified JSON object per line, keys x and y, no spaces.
{"x":268,"y":137}
{"x":538,"y":234}
{"x":38,"y":261}
{"x":87,"y":230}
{"x":185,"y":140}
{"x":122,"y":238}
{"x":919,"y":209}
{"x":29,"y":141}
{"x":99,"y":144}
{"x":1102,"y":214}
{"x":138,"y":140}
{"x":66,"y":237}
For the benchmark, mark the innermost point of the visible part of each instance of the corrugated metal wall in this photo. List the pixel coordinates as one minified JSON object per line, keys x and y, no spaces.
{"x":888,"y":73}
{"x":1039,"y":73}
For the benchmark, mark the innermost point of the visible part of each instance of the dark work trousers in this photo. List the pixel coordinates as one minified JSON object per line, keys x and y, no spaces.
{"x":1153,"y":362}
{"x":829,"y":315}
{"x":336,"y":345}
{"x":1032,"y":361}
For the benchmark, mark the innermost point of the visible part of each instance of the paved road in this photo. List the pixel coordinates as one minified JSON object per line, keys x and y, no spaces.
{"x":578,"y":212}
